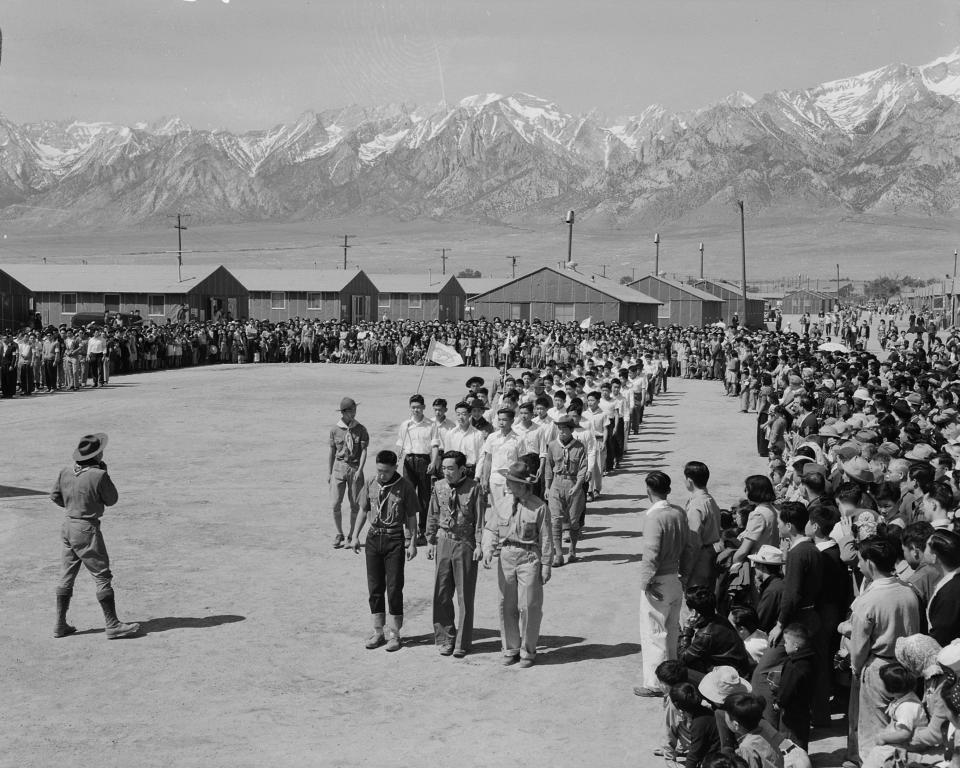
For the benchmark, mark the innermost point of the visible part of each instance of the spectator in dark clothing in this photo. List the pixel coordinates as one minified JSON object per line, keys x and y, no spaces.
{"x":768,"y":562}
{"x":803,"y":573}
{"x":710,"y":640}
{"x":836,"y":594}
{"x":794,"y":694}
{"x":701,"y":723}
{"x":943,"y":611}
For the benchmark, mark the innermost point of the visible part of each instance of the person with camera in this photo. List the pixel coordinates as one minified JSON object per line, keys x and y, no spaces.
{"x":83,"y":490}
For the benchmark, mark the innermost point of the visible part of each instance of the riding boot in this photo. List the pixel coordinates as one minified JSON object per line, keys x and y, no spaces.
{"x":115,"y":628}
{"x":62,"y":629}
{"x":377,"y":639}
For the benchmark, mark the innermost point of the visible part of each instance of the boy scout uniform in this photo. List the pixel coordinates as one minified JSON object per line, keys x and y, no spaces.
{"x":566,"y":476}
{"x":455,"y":525}
{"x":348,"y":444}
{"x":524,"y":536}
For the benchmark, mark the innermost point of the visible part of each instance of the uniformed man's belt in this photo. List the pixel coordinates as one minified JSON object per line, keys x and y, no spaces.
{"x":386,"y":531}
{"x":418,"y":455}
{"x":94,"y":520}
{"x":443,"y":533}
{"x":521,"y":545}
{"x":564,"y":474}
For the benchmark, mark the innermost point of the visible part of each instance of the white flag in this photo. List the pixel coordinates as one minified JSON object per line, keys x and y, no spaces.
{"x":586,"y":323}
{"x":443,"y":355}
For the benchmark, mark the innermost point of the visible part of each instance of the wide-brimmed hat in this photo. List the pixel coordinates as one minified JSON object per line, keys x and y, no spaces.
{"x":920,"y":452}
{"x":347,"y":404}
{"x":949,"y":657}
{"x":721,"y":682}
{"x":768,"y":555}
{"x":519,"y":473}
{"x":90,"y":446}
{"x":858,"y":469}
{"x":566,"y":420}
{"x":846,"y":451}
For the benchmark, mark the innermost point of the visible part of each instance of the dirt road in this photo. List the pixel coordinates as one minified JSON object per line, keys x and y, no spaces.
{"x":252,"y":653}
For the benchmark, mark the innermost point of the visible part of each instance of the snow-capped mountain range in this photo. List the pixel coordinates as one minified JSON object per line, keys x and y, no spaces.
{"x":886,"y":140}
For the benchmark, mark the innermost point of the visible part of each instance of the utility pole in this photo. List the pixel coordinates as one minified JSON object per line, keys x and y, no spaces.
{"x":604,"y":270}
{"x":743,"y":259}
{"x":569,"y":221}
{"x":838,"y":286}
{"x":701,"y":261}
{"x":953,"y":291}
{"x":656,"y":263}
{"x":444,"y":257}
{"x":513,"y":264}
{"x":345,"y":246}
{"x":179,"y":226}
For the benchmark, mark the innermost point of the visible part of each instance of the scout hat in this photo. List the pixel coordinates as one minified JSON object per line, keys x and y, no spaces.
{"x":766,"y":555}
{"x":566,"y":421}
{"x":519,"y":473}
{"x":347,"y":404}
{"x":90,"y":446}
{"x":920,"y":452}
{"x":722,"y":682}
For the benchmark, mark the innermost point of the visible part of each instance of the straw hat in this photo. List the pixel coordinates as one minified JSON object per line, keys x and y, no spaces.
{"x":767,"y":555}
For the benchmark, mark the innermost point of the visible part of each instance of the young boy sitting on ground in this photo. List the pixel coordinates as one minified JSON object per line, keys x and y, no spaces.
{"x":700,"y":720}
{"x":670,"y":673}
{"x":743,"y":713}
{"x":905,"y":712}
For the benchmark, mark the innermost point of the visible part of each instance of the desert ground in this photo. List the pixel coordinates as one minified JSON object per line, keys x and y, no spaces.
{"x":253,"y":625}
{"x":780,"y":244}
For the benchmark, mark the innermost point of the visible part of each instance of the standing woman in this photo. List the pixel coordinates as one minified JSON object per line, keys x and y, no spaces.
{"x":765,"y":401}
{"x":777,"y":425}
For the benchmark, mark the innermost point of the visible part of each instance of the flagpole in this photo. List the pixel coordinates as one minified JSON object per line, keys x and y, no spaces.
{"x":426,"y":360}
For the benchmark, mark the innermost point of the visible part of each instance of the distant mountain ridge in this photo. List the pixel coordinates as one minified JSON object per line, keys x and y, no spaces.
{"x":880,"y":142}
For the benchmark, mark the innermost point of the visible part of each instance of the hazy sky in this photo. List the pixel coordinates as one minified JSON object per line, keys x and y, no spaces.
{"x":253,"y":63}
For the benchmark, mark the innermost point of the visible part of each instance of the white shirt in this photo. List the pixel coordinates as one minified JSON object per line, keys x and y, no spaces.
{"x":468,"y":441}
{"x":531,"y":439}
{"x":502,"y":449}
{"x":415,"y":437}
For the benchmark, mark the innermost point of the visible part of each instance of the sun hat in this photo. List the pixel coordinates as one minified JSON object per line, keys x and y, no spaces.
{"x":90,"y":446}
{"x":858,"y":469}
{"x":566,"y":420}
{"x":862,"y":393}
{"x":890,"y":449}
{"x":347,"y":404}
{"x":797,"y":462}
{"x":767,"y":555}
{"x":846,"y":451}
{"x":918,"y":653}
{"x":721,"y":682}
{"x":519,"y":473}
{"x":920,"y":452}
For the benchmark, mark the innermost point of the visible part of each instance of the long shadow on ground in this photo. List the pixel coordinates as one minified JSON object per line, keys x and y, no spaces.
{"x":590,"y":651}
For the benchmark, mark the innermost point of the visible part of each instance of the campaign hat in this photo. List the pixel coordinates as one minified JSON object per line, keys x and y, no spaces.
{"x":90,"y":446}
{"x":347,"y":404}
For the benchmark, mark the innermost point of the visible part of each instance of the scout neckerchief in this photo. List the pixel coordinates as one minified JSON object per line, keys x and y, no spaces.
{"x":382,"y":498}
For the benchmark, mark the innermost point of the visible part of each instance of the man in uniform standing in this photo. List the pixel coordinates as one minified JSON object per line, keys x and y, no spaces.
{"x":348,"y":455}
{"x":83,"y":490}
{"x":523,"y":533}
{"x":414,"y":444}
{"x":389,"y":501}
{"x":566,"y":477}
{"x":454,"y":530}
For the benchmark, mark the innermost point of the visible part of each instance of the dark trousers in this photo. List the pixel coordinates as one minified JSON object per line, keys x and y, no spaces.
{"x":826,"y":643}
{"x":8,"y":380}
{"x":456,"y":576}
{"x":611,"y":449}
{"x":636,"y":416}
{"x":50,"y":374}
{"x":415,"y":466}
{"x":25,"y":374}
{"x":95,"y":366}
{"x":619,"y":441}
{"x":385,"y":559}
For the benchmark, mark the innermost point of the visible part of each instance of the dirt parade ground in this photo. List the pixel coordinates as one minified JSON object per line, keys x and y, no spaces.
{"x":252,"y":651}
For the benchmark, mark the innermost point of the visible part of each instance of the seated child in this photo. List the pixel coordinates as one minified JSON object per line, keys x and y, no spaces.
{"x":700,"y":720}
{"x":905,"y":712}
{"x":743,"y":713}
{"x":670,"y":673}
